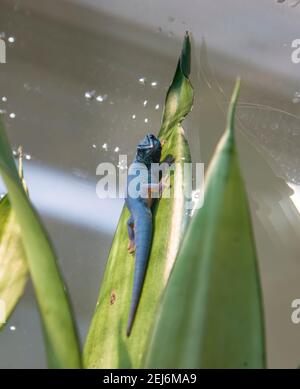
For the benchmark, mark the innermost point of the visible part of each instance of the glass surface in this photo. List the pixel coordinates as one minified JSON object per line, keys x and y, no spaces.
{"x":85,"y":80}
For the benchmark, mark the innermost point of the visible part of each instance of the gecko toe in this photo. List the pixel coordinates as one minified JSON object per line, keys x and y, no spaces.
{"x":131,"y":250}
{"x":131,"y":247}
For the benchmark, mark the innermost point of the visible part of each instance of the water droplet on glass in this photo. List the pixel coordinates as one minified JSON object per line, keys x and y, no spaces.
{"x":12,"y":328}
{"x":11,"y":39}
{"x":94,"y":146}
{"x":146,"y":120}
{"x":28,"y":157}
{"x":4,"y":99}
{"x":27,"y":86}
{"x":133,"y":116}
{"x":15,"y":153}
{"x":121,"y":166}
{"x":104,"y":146}
{"x":154,"y":84}
{"x":296,"y":98}
{"x":12,"y":115}
{"x":89,"y":95}
{"x":117,"y":149}
{"x":145,"y":103}
{"x":142,"y":80}
{"x":157,"y":106}
{"x":101,"y":98}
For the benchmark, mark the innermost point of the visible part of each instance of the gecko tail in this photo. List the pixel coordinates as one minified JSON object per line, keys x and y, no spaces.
{"x":136,"y":294}
{"x":129,"y":326}
{"x":143,"y":237}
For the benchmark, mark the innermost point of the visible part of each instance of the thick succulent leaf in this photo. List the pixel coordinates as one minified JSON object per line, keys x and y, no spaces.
{"x":211,"y":314}
{"x":13,"y":264}
{"x":107,"y":345}
{"x":59,"y":330}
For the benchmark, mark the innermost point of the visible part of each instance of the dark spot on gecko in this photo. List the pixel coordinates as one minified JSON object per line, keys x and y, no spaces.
{"x":112,"y":298}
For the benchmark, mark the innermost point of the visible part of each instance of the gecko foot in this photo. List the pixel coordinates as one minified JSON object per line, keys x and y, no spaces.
{"x":131,"y":247}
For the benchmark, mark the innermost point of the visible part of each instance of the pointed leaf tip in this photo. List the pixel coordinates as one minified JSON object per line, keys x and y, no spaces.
{"x":232,"y":107}
{"x":185,"y":58}
{"x":107,"y":345}
{"x":211,"y":313}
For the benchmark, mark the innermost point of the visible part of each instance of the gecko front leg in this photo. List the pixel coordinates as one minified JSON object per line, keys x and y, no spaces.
{"x":139,"y":225}
{"x":130,"y":229}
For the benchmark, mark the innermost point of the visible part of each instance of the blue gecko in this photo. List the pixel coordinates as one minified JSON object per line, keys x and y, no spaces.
{"x":139,"y":224}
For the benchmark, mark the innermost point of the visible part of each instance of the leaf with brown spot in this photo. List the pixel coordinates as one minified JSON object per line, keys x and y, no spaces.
{"x":107,"y":345}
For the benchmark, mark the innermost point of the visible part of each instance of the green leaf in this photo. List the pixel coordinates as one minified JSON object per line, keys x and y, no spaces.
{"x":59,"y":330}
{"x":13,"y":265}
{"x":211,"y":314}
{"x":107,"y":345}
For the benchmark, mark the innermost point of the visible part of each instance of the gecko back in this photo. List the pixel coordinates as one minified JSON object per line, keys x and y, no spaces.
{"x":140,"y":221}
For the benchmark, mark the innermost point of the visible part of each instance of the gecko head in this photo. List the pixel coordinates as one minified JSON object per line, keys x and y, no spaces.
{"x":149,"y":150}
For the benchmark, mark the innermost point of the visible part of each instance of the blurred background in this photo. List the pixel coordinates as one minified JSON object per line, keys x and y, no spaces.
{"x":86,"y":79}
